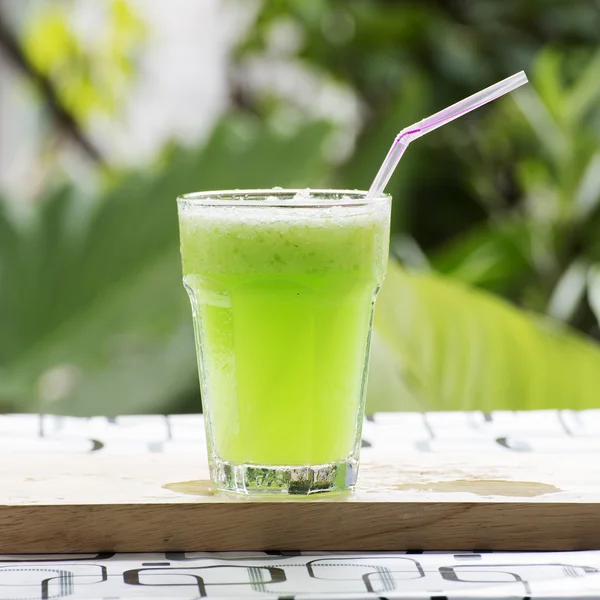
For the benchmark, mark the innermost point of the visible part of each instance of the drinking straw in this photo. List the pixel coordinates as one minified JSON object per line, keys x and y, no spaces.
{"x":412,"y":132}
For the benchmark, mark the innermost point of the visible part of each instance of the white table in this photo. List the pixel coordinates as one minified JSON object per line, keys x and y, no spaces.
{"x":418,"y":576}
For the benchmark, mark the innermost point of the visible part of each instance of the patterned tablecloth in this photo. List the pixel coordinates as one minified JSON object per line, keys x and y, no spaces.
{"x":304,"y":576}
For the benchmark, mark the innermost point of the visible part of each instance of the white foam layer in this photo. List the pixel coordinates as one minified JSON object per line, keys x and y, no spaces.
{"x":312,"y":215}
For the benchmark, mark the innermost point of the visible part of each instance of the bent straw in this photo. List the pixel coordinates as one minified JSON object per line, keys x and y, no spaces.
{"x":408,"y":134}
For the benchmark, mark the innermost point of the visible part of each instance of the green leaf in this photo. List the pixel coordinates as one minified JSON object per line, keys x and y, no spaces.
{"x":456,"y":348}
{"x":542,"y":123}
{"x":491,"y":256}
{"x":587,"y":196}
{"x":548,"y":84}
{"x":568,"y":292}
{"x":93,"y":315}
{"x":585,"y":93}
{"x":593,"y":286}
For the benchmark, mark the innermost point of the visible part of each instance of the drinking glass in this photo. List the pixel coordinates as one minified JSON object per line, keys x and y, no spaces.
{"x":282,"y":286}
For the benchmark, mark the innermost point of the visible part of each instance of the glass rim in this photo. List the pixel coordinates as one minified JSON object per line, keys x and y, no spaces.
{"x":283,"y":198}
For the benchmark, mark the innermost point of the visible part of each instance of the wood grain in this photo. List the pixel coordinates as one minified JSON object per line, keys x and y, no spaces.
{"x":163,"y":502}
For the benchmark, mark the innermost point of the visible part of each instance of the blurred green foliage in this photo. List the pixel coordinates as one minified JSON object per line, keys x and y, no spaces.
{"x":91,"y":74}
{"x":442,"y":345}
{"x":92,"y":312}
{"x":538,"y":249}
{"x":505,"y":199}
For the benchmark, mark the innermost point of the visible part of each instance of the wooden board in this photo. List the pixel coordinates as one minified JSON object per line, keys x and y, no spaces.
{"x":163,"y":502}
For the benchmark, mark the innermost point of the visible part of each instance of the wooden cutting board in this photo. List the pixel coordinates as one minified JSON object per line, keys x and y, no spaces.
{"x":163,"y":502}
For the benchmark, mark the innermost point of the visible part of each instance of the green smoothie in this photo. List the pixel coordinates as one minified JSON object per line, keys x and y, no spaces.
{"x":282,"y":299}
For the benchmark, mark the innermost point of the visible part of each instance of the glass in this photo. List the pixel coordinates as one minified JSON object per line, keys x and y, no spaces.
{"x":282,"y":288}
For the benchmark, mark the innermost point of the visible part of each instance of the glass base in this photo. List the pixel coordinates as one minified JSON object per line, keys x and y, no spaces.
{"x":259,"y":479}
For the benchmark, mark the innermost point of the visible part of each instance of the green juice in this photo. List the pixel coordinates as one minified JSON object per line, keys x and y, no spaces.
{"x":282,"y":299}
